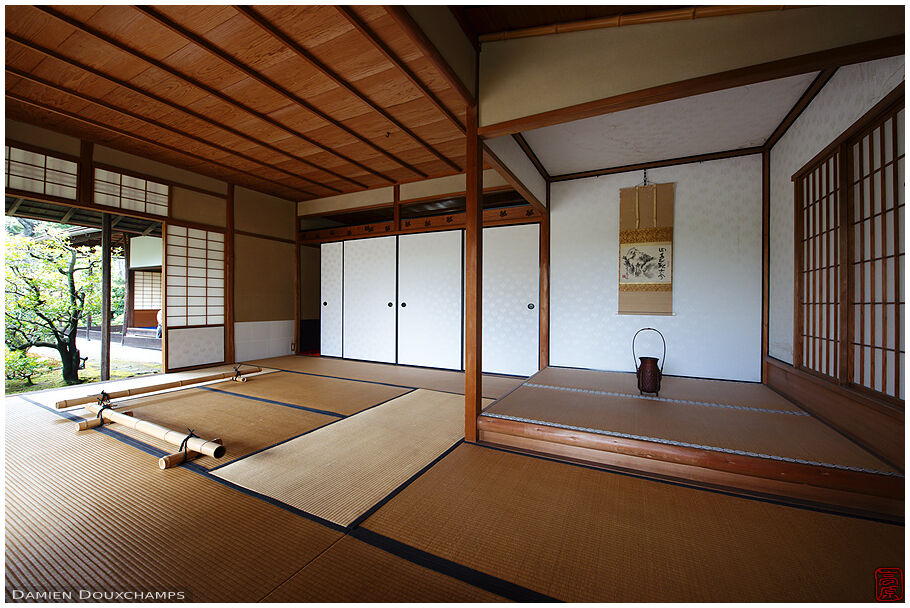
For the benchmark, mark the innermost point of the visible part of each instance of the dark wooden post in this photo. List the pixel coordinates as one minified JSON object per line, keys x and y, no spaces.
{"x":229,"y":279}
{"x":105,"y":296}
{"x":128,"y":296}
{"x":473,"y":379}
{"x":396,"y":208}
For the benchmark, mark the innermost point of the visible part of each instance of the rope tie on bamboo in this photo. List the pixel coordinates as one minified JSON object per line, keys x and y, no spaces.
{"x":184,"y":442}
{"x":104,"y":400}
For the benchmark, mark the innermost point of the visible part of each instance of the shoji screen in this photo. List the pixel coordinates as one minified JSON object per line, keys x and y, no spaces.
{"x":877,"y":256}
{"x":430,"y":299}
{"x":194,"y":293}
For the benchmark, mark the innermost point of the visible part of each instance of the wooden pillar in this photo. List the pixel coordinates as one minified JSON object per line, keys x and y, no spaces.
{"x":473,"y":380}
{"x":297,"y":296}
{"x":128,"y":296}
{"x":765,"y":257}
{"x":396,"y":210}
{"x":105,"y":296}
{"x":544,"y":305}
{"x":229,"y":279}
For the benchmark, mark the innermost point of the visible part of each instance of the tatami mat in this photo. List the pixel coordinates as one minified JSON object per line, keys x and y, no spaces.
{"x":244,"y":425}
{"x":417,"y":377}
{"x":748,"y":394}
{"x":579,"y":534}
{"x":353,"y":571}
{"x":344,"y":397}
{"x":776,"y":434}
{"x":89,"y":512}
{"x":342,"y":470}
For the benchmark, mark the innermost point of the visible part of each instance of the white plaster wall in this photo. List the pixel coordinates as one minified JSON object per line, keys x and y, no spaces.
{"x":263,"y":339}
{"x":848,"y":95}
{"x":195,"y":346}
{"x":715,"y":331}
{"x":510,"y":153}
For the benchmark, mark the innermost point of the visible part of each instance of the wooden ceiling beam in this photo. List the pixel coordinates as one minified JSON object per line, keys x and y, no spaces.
{"x":272,"y":30}
{"x":204,"y":44}
{"x":147,"y":140}
{"x":529,"y":152}
{"x":66,"y":217}
{"x":805,"y":99}
{"x":386,"y":52}
{"x":87,"y":29}
{"x":12,"y":210}
{"x":154,"y":96}
{"x":416,"y":35}
{"x":107,"y":105}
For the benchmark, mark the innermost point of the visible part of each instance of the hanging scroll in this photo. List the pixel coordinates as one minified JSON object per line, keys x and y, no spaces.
{"x":646,"y":249}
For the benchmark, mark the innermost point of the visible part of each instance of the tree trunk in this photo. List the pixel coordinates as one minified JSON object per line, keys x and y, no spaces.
{"x":69,"y":356}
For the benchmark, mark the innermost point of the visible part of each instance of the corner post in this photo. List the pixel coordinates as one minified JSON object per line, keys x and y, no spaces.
{"x":105,"y":296}
{"x":473,"y":379}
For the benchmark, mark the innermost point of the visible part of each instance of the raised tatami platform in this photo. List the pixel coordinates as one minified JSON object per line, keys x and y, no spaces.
{"x":342,"y":489}
{"x":740,"y":428}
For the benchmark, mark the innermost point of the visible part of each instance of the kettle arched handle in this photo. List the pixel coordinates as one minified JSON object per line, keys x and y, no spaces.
{"x":662,"y":359}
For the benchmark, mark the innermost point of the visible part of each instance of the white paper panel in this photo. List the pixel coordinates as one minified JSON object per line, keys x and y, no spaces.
{"x":331,"y":255}
{"x":429,"y":299}
{"x":511,"y":281}
{"x":369,"y":299}
{"x":263,"y":339}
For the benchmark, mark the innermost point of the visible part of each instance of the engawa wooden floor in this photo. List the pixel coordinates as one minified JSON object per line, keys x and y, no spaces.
{"x":92,"y":511}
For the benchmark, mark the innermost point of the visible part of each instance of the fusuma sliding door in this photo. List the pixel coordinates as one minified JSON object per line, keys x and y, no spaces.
{"x":369,"y":299}
{"x":511,"y":284}
{"x":430,"y":300}
{"x":330,"y":297}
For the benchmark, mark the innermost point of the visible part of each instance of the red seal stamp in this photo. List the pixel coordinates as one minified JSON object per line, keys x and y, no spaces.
{"x":889,"y":585}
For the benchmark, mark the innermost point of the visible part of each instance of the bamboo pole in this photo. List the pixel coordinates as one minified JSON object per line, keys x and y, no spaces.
{"x":90,"y":423}
{"x":195,"y":444}
{"x":172,"y":460}
{"x":155,"y":387}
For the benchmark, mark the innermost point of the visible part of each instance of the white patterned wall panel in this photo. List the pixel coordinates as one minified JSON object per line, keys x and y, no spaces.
{"x":263,"y":339}
{"x":716,"y":329}
{"x":331,"y":256}
{"x":429,"y":296}
{"x":369,"y":313}
{"x":511,"y":281}
{"x":852,"y":91}
{"x":195,"y":346}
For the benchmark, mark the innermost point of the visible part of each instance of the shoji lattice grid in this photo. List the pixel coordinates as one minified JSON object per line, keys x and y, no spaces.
{"x":195,"y":277}
{"x":147,"y":286}
{"x":126,"y":192}
{"x":35,"y":172}
{"x":819,"y":268}
{"x":877,"y":303}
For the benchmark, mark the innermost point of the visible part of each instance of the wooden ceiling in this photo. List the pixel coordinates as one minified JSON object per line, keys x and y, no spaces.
{"x":297,"y":101}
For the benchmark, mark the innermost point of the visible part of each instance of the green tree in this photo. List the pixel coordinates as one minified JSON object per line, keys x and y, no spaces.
{"x":50,"y":286}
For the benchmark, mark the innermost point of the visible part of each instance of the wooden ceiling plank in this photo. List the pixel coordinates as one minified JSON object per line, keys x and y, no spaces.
{"x":268,"y":83}
{"x":158,"y":98}
{"x":301,"y":52}
{"x":177,"y":74}
{"x":151,"y":121}
{"x":131,"y":135}
{"x":380,"y":46}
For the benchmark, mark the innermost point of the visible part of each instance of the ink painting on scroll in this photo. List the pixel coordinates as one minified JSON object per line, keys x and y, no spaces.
{"x":646,"y":249}
{"x":645,"y":263}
